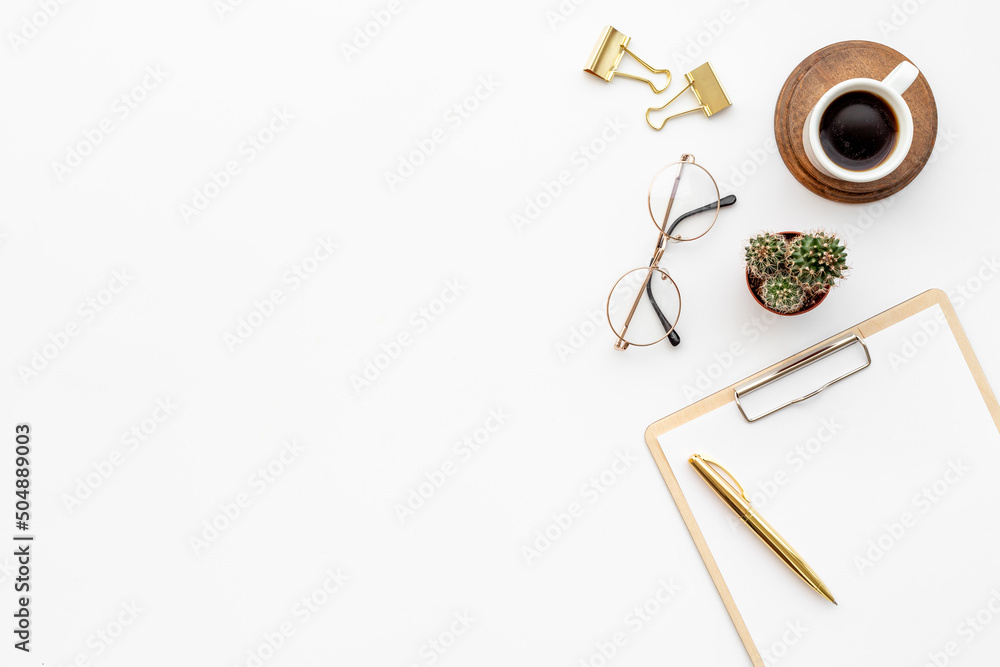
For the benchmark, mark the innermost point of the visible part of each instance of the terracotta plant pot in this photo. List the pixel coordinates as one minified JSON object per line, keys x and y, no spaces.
{"x":754,"y":283}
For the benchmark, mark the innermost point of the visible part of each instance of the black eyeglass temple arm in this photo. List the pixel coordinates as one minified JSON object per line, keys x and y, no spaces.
{"x":728,"y":200}
{"x":672,"y":334}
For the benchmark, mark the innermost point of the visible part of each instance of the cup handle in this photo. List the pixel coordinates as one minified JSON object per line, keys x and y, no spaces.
{"x":900,"y":78}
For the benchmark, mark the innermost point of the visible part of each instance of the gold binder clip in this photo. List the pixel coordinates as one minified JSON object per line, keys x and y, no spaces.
{"x":607,"y":54}
{"x":711,"y":95}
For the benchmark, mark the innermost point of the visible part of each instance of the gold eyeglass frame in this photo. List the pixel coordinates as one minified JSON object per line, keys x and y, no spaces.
{"x":654,"y":265}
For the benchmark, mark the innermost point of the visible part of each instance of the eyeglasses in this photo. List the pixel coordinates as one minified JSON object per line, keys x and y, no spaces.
{"x":684,"y":204}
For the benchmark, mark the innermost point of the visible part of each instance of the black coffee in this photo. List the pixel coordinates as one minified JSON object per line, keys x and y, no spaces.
{"x":858,"y":130}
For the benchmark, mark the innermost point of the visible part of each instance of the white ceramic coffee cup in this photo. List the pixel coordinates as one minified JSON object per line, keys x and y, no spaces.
{"x":891,"y":90}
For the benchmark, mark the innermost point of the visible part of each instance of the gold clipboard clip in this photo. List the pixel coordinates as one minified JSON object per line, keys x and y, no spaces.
{"x":607,"y":54}
{"x":705,"y":84}
{"x":797,"y":363}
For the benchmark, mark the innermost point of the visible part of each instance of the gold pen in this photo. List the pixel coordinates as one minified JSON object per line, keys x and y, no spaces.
{"x":726,"y":487}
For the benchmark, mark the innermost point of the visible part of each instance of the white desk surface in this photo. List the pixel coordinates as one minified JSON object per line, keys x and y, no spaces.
{"x":199,"y":241}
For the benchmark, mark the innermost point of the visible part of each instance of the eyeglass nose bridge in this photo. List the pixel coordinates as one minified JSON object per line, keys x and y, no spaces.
{"x":660,"y":248}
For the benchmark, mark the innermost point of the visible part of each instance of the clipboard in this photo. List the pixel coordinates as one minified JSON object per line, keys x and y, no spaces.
{"x":931,"y":334}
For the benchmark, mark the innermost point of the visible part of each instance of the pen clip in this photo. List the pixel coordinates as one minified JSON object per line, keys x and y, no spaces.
{"x":725,"y":474}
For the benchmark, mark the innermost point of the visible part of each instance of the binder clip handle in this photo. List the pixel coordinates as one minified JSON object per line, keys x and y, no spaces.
{"x":705,"y":84}
{"x":607,"y":55}
{"x":652,"y":70}
{"x":651,"y":109}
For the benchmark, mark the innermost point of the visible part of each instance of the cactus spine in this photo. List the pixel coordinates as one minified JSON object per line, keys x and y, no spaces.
{"x":817,"y":260}
{"x":767,"y":255}
{"x":782,"y":294}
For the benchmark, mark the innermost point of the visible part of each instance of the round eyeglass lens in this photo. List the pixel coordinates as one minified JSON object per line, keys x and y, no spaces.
{"x":643,"y":306}
{"x":683,"y":201}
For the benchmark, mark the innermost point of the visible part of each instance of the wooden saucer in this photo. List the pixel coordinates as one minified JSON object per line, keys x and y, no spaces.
{"x":820,"y":72}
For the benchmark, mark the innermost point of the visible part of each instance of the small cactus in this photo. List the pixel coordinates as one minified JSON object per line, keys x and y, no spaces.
{"x":767,"y":255}
{"x":817,"y":260}
{"x":782,"y":294}
{"x":788,"y":276}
